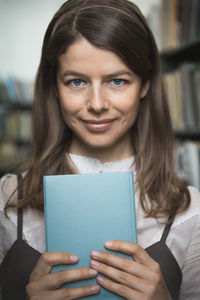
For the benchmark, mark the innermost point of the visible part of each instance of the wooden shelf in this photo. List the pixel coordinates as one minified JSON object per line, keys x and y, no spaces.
{"x":9,"y":106}
{"x":172,"y":58}
{"x":187,"y":135}
{"x":19,"y":142}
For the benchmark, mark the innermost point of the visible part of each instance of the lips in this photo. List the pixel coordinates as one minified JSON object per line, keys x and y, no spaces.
{"x":98,"y":125}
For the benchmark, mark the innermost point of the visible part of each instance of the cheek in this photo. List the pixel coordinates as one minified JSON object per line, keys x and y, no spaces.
{"x":130,"y":108}
{"x":69,"y":106}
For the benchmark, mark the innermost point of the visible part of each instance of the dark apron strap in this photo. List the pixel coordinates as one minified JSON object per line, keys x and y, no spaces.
{"x":168,"y":226}
{"x":19,"y":210}
{"x":166,"y":232}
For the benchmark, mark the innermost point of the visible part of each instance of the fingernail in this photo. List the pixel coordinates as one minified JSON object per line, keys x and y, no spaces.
{"x":100,"y":279}
{"x":92,"y":272}
{"x":74,"y":258}
{"x":95,"y":289}
{"x":108,"y":243}
{"x":94,"y":263}
{"x":95,"y":253}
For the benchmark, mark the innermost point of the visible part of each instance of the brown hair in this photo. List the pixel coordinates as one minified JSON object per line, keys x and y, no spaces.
{"x":125,"y":32}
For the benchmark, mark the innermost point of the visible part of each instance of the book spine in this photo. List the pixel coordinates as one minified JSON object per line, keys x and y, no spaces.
{"x":45,"y":211}
{"x":132,"y":204}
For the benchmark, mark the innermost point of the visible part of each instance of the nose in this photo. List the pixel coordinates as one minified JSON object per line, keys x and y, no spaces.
{"x":97,"y":101}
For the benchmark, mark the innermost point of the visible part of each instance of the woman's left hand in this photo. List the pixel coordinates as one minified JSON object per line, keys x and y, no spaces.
{"x":138,"y":279}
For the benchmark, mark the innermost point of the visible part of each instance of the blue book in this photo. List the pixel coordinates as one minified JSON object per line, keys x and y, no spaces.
{"x":82,"y":211}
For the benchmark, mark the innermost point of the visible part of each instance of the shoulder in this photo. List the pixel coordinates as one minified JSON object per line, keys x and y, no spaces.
{"x":8,"y":184}
{"x":195,"y":196}
{"x":194,"y":208}
{"x":192,"y":214}
{"x":191,"y":255}
{"x":184,"y":237}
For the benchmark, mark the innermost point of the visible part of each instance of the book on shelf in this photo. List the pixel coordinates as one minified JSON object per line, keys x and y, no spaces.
{"x":15,"y":91}
{"x":18,"y":126}
{"x":169,"y":24}
{"x":178,"y":22}
{"x":189,"y":20}
{"x":15,"y":136}
{"x":183,"y":93}
{"x":187,"y":97}
{"x":11,"y":152}
{"x":82,"y":211}
{"x":188,"y":162}
{"x":196,"y":85}
{"x":153,"y":20}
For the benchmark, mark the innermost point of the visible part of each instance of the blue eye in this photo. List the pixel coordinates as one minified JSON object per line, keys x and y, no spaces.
{"x":118,"y":82}
{"x":77,"y":82}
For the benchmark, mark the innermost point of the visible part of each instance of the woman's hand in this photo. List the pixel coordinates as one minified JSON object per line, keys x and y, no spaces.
{"x":138,"y":279}
{"x":46,"y":286}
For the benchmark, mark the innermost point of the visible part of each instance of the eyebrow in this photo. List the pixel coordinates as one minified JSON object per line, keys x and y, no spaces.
{"x":115,"y":74}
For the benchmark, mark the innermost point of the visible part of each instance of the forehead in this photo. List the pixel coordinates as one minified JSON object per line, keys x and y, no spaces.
{"x":83,"y":56}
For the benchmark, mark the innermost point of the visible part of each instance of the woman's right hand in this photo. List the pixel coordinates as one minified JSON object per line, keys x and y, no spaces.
{"x":46,"y":286}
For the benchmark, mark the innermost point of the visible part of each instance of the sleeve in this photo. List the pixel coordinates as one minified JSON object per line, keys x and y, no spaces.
{"x":191,"y":268}
{"x":2,"y":249}
{"x":7,"y":228}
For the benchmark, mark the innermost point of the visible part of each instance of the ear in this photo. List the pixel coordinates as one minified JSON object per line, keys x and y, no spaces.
{"x":145,"y":89}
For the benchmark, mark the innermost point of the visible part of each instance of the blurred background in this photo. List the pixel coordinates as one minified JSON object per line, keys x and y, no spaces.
{"x":176,"y":26}
{"x":23,"y":24}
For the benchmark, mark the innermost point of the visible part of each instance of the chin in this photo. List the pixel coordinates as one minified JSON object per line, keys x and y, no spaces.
{"x":99,"y":146}
{"x":99,"y":141}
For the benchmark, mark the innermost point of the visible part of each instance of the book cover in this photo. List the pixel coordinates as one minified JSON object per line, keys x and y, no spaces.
{"x":82,"y":211}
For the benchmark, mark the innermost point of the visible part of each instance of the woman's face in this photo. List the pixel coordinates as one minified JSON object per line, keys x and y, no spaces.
{"x":99,"y":98}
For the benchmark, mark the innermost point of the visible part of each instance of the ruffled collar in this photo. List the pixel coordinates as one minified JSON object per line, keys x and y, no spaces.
{"x":93,"y":165}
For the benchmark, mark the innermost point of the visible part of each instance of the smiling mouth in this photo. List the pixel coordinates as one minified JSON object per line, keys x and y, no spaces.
{"x":98,"y":125}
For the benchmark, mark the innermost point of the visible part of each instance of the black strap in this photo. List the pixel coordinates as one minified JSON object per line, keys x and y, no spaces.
{"x":168,"y":226}
{"x":166,"y":232}
{"x":19,"y":210}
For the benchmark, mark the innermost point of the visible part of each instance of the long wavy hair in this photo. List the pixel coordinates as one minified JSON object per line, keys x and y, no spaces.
{"x":124,"y":31}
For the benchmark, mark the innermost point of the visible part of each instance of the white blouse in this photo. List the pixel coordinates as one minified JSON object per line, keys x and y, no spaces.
{"x":183,"y":239}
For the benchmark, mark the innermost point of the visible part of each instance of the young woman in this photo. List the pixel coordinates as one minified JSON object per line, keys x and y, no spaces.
{"x":99,"y":107}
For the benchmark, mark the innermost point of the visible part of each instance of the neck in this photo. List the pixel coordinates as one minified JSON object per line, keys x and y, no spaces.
{"x":121,"y":150}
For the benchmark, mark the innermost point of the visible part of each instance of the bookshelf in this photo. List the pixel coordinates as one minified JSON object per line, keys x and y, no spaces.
{"x":15,"y":121}
{"x":176,"y":27}
{"x":181,"y":73}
